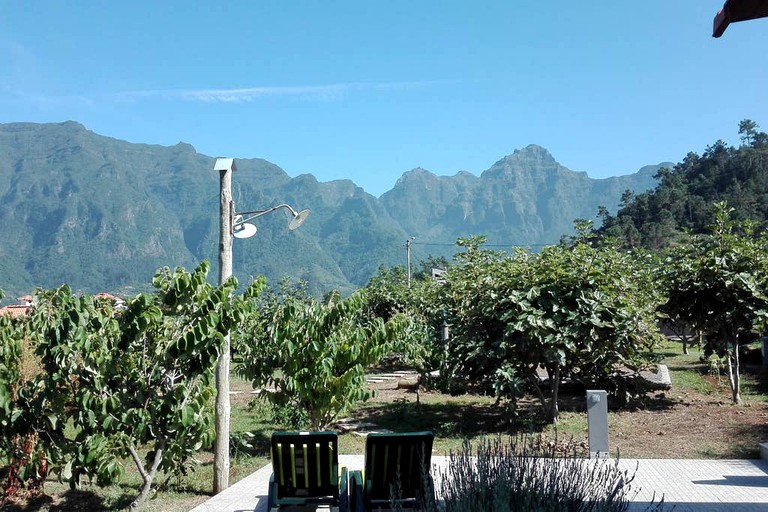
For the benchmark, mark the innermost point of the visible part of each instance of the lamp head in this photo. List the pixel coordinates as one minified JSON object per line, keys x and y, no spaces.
{"x":298,"y":219}
{"x":243,"y":230}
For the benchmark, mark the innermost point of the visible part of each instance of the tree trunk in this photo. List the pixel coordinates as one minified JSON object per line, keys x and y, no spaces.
{"x":147,"y":476}
{"x":734,"y":379}
{"x":554,"y":411}
{"x":536,"y":383}
{"x":736,"y":388}
{"x":687,"y":338}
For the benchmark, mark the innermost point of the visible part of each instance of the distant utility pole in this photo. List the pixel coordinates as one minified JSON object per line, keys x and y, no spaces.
{"x":408,"y":258}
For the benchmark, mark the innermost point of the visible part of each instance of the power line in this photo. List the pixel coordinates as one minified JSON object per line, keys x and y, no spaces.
{"x":442,"y":244}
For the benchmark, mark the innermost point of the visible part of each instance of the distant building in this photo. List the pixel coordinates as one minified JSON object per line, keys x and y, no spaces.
{"x":438,"y":274}
{"x":21,"y":309}
{"x":116,"y":301}
{"x":108,"y":296}
{"x":15,"y":310}
{"x":25,"y":304}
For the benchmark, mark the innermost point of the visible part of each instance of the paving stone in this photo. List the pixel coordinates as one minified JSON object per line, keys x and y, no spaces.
{"x":688,"y":485}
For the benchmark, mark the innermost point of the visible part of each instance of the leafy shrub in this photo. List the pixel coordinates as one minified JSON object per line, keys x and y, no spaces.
{"x":27,"y":464}
{"x":313,"y":354}
{"x":526,"y":321}
{"x":284,"y":415}
{"x":117,"y":385}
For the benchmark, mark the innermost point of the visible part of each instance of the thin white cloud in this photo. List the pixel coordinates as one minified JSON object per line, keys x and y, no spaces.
{"x":250,"y":94}
{"x":334,"y":92}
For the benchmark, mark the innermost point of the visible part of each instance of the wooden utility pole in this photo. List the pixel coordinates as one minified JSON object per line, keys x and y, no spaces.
{"x":408,"y":259}
{"x":225,"y":166}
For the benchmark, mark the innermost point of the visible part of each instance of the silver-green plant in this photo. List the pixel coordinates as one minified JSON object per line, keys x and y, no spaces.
{"x":525,"y":474}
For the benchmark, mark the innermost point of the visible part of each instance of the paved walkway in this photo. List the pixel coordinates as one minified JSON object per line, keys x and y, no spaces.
{"x":689,"y":485}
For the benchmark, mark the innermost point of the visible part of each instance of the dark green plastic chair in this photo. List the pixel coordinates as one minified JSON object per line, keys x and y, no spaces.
{"x":305,"y":471}
{"x":397,"y":469}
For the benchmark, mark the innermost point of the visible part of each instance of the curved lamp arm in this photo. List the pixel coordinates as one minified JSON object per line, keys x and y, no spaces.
{"x":297,"y":218}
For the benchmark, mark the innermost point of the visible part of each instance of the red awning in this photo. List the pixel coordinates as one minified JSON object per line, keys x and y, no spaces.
{"x":738,"y":10}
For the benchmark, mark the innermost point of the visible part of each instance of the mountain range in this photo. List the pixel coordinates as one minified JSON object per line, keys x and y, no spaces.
{"x":101,"y":214}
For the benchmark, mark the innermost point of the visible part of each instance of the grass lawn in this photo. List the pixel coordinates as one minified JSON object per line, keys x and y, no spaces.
{"x":695,"y":419}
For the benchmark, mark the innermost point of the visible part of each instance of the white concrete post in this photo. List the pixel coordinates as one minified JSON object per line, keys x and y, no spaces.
{"x":597,"y":421}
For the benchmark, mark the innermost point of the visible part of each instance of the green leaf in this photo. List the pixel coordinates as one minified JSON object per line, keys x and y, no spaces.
{"x":66,"y":471}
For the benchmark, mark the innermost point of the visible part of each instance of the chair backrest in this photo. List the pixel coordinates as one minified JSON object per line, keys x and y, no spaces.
{"x":399,"y":459}
{"x":305,"y":464}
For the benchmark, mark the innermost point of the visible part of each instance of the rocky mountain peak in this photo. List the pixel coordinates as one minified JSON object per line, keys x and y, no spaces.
{"x":68,"y":194}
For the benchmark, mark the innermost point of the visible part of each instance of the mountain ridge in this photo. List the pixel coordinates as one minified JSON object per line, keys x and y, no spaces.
{"x":103,"y":214}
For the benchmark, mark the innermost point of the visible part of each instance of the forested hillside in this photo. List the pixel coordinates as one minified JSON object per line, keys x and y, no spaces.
{"x":683,"y":202}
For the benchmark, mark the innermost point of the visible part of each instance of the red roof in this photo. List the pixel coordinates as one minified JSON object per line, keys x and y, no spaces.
{"x":15,"y":310}
{"x":108,"y":296}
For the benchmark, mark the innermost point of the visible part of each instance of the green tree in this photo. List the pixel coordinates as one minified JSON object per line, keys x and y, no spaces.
{"x":133,"y":383}
{"x":716,"y":285}
{"x":387,"y":294}
{"x":424,"y":268}
{"x":27,"y":464}
{"x":573,"y":311}
{"x":682,"y":203}
{"x":748,"y":131}
{"x":476,"y":354}
{"x":314,"y":353}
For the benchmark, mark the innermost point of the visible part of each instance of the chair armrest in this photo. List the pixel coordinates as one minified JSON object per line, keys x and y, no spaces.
{"x":343,"y":491}
{"x":356,"y":491}
{"x":272,"y":498}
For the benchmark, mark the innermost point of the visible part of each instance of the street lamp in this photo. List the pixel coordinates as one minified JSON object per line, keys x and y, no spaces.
{"x":241,"y":228}
{"x":232,"y":225}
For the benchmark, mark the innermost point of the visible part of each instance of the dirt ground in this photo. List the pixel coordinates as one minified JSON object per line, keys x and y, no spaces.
{"x":679,"y":423}
{"x":691,"y":424}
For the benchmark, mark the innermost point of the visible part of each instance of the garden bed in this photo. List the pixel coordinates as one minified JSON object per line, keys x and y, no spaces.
{"x":694,"y":419}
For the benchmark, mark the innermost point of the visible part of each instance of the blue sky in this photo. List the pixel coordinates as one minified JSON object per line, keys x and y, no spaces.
{"x":367,"y":90}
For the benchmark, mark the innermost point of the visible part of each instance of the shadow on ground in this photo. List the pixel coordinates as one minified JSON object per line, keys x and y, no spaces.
{"x":71,"y":500}
{"x":447,"y":419}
